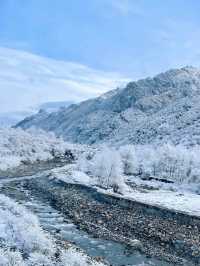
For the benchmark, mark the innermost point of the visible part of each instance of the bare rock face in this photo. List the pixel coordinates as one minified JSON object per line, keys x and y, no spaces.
{"x":154,"y":110}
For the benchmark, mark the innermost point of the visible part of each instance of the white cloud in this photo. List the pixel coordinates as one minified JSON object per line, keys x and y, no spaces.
{"x":126,"y":7}
{"x":181,"y":38}
{"x":27,"y":80}
{"x":122,"y":7}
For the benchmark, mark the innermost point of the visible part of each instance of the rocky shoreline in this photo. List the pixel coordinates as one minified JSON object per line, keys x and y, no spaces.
{"x":160,"y":233}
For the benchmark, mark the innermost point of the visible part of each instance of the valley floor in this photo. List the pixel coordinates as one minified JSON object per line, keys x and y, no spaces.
{"x":154,"y":222}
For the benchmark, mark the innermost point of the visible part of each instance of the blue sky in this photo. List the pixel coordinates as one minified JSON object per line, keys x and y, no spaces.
{"x":135,"y":38}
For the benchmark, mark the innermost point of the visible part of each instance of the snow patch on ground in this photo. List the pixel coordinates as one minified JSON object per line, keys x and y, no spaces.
{"x":186,"y":202}
{"x":69,"y":174}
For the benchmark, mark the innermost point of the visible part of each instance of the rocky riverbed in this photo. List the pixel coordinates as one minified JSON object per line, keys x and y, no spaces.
{"x":67,"y":234}
{"x":160,"y":233}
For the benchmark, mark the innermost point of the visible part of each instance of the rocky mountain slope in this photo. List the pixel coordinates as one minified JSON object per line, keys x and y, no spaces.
{"x":153,"y":110}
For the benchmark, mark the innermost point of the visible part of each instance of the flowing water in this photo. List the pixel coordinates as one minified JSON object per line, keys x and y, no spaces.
{"x":55,"y":223}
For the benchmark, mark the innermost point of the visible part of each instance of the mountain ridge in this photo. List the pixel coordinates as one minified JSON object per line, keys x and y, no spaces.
{"x":151,"y":110}
{"x":9,"y":119}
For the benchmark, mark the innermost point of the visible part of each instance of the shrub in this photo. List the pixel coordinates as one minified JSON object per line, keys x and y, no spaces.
{"x":129,"y":159}
{"x":107,"y":167}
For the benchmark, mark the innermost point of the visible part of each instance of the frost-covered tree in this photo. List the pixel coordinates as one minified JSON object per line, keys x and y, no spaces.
{"x":129,"y":159}
{"x":178,"y":163}
{"x":83,"y":163}
{"x":84,"y":160}
{"x":28,"y":146}
{"x":107,"y":167}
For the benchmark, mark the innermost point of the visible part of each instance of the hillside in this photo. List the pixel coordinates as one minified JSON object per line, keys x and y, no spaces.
{"x":153,"y":110}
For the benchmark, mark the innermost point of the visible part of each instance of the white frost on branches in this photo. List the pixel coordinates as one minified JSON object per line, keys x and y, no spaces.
{"x":178,"y":163}
{"x":105,"y":166}
{"x":17,"y":146}
{"x":129,"y":159}
{"x":110,"y":166}
{"x":24,"y":243}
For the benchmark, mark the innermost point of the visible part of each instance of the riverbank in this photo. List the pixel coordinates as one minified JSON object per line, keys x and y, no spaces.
{"x":161,"y":233}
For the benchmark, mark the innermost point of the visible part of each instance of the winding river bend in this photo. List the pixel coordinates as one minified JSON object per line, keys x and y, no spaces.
{"x":56,"y":224}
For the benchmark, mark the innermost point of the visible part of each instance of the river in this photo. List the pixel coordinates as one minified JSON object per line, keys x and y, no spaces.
{"x":56,"y":224}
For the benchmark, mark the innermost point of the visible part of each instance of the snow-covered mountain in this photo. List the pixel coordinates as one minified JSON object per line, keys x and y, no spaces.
{"x":8,"y":119}
{"x":153,"y":110}
{"x":51,"y":107}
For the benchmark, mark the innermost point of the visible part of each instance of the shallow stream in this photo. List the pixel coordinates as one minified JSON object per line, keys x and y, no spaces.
{"x":55,"y":223}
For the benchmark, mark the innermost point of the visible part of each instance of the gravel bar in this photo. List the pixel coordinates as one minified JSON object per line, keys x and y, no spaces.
{"x":161,"y":233}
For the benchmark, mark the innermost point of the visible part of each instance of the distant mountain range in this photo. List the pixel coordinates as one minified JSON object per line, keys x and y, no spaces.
{"x":165,"y":108}
{"x":11,"y":118}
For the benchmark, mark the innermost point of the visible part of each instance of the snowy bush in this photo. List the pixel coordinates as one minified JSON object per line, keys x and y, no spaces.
{"x":20,"y":229}
{"x":106,"y":167}
{"x":83,"y":164}
{"x":11,"y":258}
{"x":84,"y":161}
{"x":129,"y":159}
{"x":17,"y":146}
{"x":24,"y":243}
{"x":177,"y":163}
